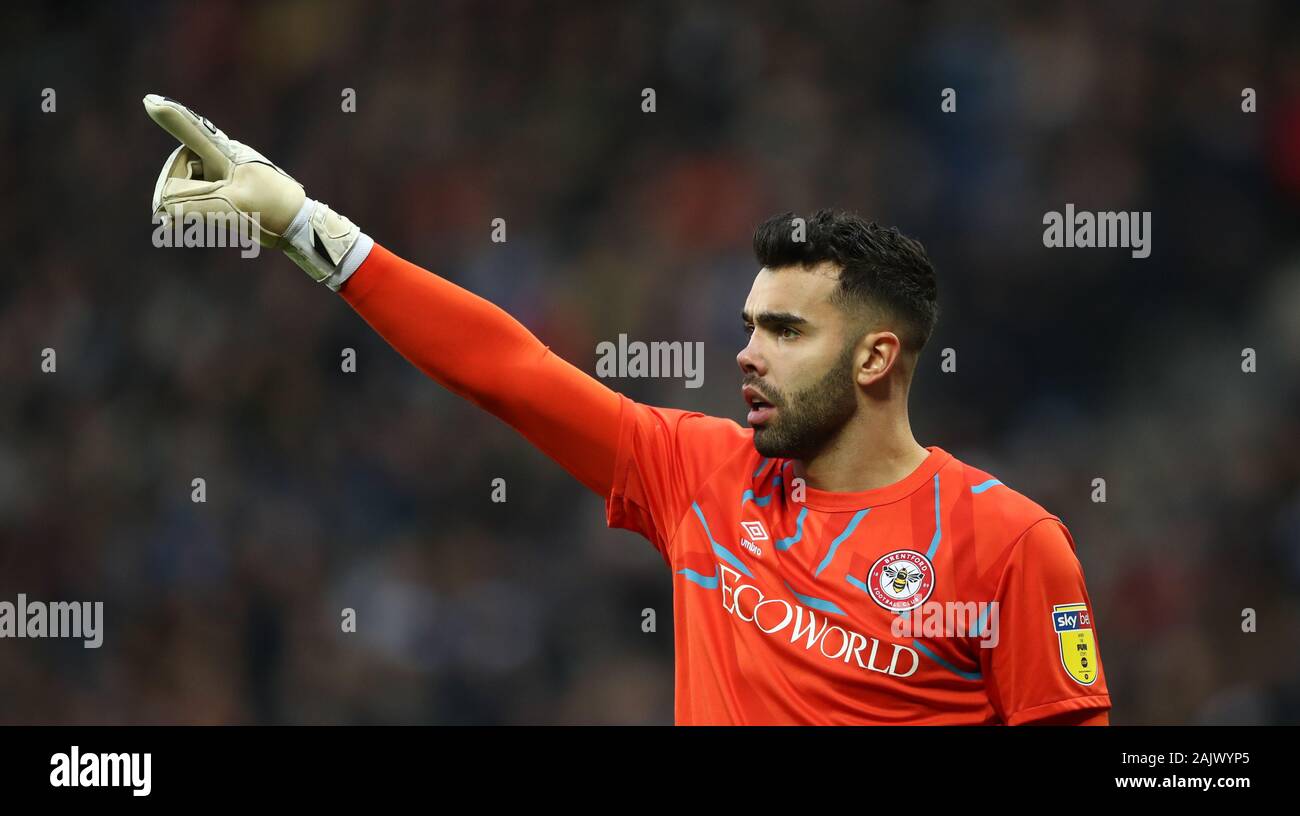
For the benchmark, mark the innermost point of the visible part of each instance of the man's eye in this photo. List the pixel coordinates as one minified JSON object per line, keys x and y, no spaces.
{"x":788,"y":333}
{"x":749,"y":329}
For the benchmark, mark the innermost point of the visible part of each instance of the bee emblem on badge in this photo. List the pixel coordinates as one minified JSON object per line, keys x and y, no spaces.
{"x":899,"y":581}
{"x":901,"y":577}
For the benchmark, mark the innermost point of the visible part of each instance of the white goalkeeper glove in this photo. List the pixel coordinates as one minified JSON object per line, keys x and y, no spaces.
{"x":211,"y":173}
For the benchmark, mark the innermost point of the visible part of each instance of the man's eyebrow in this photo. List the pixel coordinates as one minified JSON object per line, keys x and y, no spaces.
{"x":774,"y":319}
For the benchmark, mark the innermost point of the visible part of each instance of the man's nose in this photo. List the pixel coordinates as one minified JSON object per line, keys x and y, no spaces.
{"x":750,"y":361}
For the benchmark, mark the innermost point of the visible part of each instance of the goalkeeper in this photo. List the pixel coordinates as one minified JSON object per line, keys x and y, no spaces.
{"x":802,"y":548}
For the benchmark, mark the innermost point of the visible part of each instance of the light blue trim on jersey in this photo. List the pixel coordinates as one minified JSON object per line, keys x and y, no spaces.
{"x":934,"y":542}
{"x":980,"y":623}
{"x":938,"y":533}
{"x":980,"y":488}
{"x":761,"y":465}
{"x":719,"y":550}
{"x":839,"y":539}
{"x":921,"y":647}
{"x":761,"y":501}
{"x":706,"y":581}
{"x":787,"y":543}
{"x":815,"y":603}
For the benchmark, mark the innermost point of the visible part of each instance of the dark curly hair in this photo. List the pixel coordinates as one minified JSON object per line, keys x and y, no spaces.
{"x":881,"y":269}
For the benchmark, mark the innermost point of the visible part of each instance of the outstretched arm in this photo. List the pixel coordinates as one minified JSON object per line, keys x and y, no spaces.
{"x":481,"y":353}
{"x":462,"y":341}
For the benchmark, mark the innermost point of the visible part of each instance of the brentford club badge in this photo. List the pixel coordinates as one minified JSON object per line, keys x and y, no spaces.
{"x":901,"y":580}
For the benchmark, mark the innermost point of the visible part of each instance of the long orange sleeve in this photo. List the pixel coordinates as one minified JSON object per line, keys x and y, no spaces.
{"x":478,"y":351}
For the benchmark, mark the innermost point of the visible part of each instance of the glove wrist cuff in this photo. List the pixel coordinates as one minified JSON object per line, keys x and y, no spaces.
{"x":327,"y":246}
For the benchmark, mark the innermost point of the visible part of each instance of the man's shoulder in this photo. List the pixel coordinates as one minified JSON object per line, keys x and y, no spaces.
{"x":695,"y":441}
{"x":1000,"y":514}
{"x":692,"y":427}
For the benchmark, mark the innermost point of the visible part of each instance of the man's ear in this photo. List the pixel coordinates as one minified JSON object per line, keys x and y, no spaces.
{"x":878,"y":353}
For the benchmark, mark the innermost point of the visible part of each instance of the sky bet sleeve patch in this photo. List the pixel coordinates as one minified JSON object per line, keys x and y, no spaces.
{"x":1073,"y":627}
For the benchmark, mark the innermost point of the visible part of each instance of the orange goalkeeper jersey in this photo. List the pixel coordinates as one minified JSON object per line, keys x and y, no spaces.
{"x":794,"y":605}
{"x":790,"y":605}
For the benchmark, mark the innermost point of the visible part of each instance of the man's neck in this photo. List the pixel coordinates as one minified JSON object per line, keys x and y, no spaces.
{"x":854,"y":462}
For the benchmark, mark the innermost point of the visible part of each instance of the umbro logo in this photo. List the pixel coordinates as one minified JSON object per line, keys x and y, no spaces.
{"x":754,"y":529}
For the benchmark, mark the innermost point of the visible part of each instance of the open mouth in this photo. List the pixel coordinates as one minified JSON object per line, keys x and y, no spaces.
{"x":760,"y":410}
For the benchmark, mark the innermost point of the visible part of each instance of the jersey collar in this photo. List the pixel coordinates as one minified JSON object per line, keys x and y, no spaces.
{"x":828,"y":501}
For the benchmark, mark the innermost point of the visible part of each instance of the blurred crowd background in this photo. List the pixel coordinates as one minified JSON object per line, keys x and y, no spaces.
{"x":372,"y":490}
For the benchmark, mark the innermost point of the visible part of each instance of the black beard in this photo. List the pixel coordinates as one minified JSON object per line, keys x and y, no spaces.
{"x":809,"y":419}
